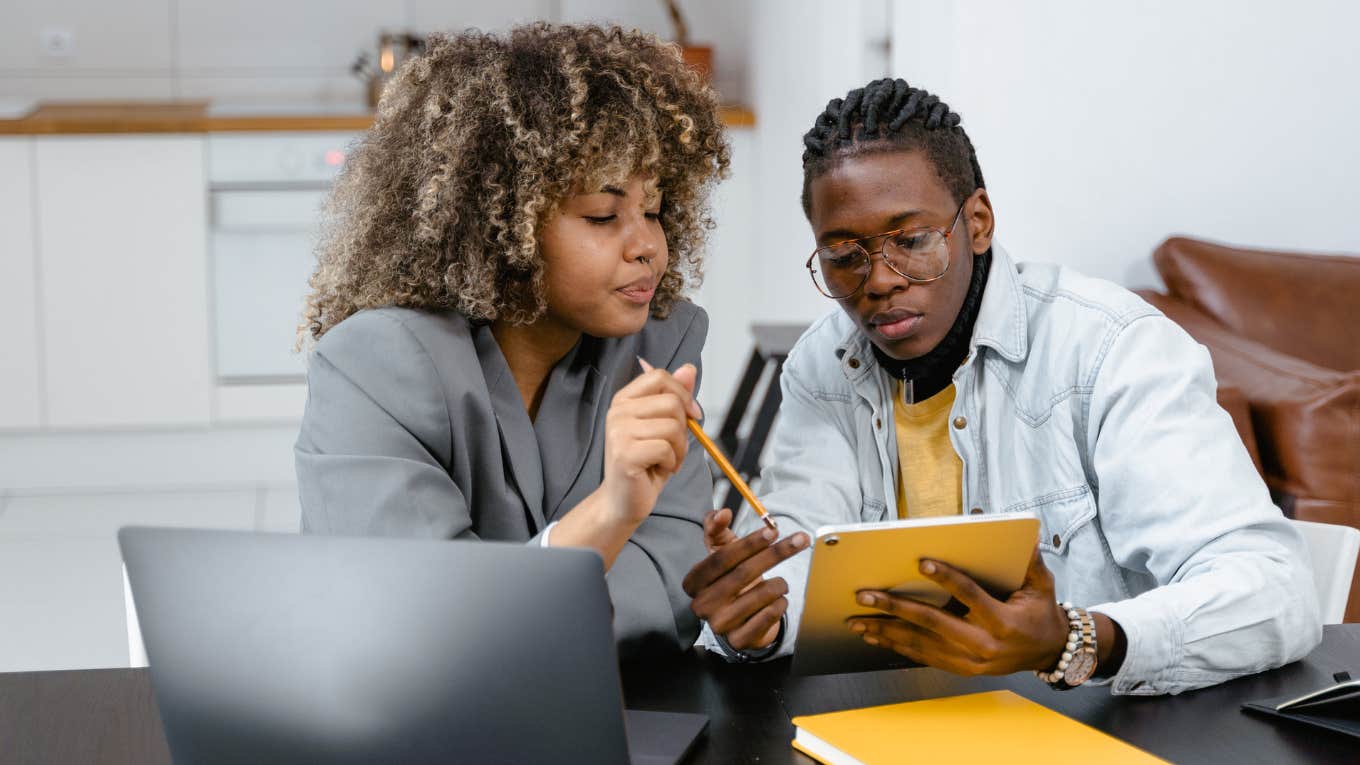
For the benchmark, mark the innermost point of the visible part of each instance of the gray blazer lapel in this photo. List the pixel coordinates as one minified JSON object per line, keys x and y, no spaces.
{"x":518,"y":443}
{"x":570,"y":420}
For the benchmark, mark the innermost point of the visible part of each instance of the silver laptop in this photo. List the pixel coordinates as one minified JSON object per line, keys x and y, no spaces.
{"x":290,"y":648}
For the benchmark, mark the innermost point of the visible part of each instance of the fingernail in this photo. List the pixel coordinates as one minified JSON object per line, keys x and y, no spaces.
{"x":857,"y":627}
{"x":865,"y":599}
{"x":767,"y":534}
{"x":871,"y":640}
{"x":800,"y":540}
{"x":927,"y":567}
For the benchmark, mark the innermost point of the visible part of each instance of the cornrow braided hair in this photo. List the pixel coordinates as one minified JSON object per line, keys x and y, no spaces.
{"x":890,"y":115}
{"x":475,"y":144}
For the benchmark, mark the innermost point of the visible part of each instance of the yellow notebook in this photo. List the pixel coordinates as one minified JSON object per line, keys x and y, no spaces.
{"x":998,"y":726}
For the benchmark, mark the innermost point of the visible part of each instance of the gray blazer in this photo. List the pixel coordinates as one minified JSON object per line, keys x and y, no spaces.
{"x":414,"y":427}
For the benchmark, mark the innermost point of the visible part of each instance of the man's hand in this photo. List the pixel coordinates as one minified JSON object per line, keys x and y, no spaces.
{"x":727,"y":588}
{"x":1027,"y":631}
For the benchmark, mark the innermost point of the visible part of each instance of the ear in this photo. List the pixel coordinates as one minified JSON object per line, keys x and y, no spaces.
{"x":981,"y":222}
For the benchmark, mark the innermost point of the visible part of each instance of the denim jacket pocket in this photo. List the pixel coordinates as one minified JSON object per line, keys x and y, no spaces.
{"x":872,"y":511}
{"x":1071,"y":546}
{"x":1063,"y":515}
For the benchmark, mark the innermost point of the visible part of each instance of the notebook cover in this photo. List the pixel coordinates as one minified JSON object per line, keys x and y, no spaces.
{"x":997,"y":726}
{"x":1340,"y":713}
{"x":1328,"y":695}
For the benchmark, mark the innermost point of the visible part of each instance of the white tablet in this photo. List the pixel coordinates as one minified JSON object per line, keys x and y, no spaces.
{"x":994,"y":550}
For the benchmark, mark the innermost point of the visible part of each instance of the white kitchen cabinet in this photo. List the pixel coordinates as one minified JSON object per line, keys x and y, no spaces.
{"x":123,"y":295}
{"x":20,"y":373}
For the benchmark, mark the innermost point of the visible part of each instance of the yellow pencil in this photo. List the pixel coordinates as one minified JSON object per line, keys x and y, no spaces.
{"x":723,"y":464}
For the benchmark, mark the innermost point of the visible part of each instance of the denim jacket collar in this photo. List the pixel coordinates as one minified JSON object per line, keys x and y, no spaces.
{"x":1003,"y":322}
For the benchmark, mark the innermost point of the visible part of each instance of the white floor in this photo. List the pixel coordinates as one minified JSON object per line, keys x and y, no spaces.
{"x":63,"y":498}
{"x":61,"y":591}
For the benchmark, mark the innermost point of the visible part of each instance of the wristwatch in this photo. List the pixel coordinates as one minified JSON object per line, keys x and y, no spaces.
{"x":1079,"y":657}
{"x":739,"y":656}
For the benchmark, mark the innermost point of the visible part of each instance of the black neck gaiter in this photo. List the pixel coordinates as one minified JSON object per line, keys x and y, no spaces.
{"x":934,"y":371}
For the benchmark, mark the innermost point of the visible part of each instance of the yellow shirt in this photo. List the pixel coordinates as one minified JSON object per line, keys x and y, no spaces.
{"x":930,"y":473}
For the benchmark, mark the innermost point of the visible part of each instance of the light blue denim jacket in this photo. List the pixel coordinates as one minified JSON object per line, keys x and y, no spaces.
{"x":1083,"y":404}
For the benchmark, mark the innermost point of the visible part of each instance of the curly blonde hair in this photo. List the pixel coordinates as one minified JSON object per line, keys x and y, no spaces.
{"x":478,"y":140}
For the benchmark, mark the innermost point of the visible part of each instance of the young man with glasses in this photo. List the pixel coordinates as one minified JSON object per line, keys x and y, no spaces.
{"x":954,"y":380}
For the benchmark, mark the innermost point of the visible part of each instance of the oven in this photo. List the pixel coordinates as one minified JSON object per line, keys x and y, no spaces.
{"x":266,"y":191}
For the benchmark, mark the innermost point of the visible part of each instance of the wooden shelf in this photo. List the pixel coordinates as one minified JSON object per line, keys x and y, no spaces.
{"x":122,"y":117}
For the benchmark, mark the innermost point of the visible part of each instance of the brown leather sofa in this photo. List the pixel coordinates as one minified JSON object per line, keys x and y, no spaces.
{"x":1284,"y":333}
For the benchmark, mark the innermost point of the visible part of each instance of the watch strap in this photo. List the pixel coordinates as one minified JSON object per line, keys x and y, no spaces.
{"x":741,"y":656}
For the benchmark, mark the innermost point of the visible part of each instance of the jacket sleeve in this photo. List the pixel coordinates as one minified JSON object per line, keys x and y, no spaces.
{"x":651,"y":609}
{"x":375,"y":437}
{"x":811,"y":479}
{"x":1180,"y":500}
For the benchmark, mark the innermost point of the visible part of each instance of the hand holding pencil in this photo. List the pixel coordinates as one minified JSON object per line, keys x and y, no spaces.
{"x":726,"y":467}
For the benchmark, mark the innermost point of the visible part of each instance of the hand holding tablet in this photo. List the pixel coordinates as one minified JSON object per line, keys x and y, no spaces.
{"x":891,"y":580}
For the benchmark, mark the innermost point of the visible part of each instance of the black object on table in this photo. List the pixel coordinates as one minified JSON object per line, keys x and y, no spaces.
{"x":1334,"y":707}
{"x":772,"y":343}
{"x":108,"y":715}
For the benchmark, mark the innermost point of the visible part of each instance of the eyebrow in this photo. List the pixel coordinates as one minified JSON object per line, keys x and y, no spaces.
{"x":616,"y":191}
{"x":892,"y":224}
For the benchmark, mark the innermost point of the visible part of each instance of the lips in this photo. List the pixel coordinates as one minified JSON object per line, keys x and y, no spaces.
{"x":895,"y":323}
{"x":639,"y":291}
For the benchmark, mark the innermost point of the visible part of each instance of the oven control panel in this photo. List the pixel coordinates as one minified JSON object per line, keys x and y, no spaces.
{"x":247,"y":159}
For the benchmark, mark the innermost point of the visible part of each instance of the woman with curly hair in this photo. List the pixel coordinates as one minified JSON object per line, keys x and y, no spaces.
{"x":513,"y":234}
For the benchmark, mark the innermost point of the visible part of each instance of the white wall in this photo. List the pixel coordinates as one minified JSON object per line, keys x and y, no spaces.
{"x":803,"y":53}
{"x":725,"y":293}
{"x":267,"y":50}
{"x":1102,"y":128}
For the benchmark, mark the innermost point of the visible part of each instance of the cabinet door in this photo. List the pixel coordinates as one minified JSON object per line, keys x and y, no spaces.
{"x":123,"y":232}
{"x":19,"y":360}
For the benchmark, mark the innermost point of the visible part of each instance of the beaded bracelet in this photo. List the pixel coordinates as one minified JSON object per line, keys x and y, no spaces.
{"x":1080,"y":645}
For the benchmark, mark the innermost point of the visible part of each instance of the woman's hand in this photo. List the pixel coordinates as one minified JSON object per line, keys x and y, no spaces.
{"x":645,"y":443}
{"x":1027,"y":631}
{"x":728,"y":589}
{"x":646,"y":440}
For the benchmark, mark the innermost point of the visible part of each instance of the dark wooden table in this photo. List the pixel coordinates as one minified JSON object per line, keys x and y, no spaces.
{"x":109,"y":716}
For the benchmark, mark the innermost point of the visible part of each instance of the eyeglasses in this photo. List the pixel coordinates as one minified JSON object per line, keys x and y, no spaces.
{"x":919,"y":255}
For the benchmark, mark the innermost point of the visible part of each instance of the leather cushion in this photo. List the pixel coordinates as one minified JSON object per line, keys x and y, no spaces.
{"x":1307,"y":306}
{"x":1306,"y":418}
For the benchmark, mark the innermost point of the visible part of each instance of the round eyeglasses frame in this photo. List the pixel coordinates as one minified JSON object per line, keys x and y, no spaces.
{"x":945,"y":234}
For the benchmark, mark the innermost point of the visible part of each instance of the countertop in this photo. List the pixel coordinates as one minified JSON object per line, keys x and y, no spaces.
{"x":103,"y":117}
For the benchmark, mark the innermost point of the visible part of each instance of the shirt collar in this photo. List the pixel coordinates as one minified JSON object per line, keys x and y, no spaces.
{"x":1002,"y":322}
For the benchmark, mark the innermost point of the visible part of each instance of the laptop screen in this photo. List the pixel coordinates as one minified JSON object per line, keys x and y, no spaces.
{"x":308,"y":648}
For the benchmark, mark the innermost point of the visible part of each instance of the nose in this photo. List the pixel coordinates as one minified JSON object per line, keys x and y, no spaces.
{"x":883,"y":280}
{"x":642,"y":241}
